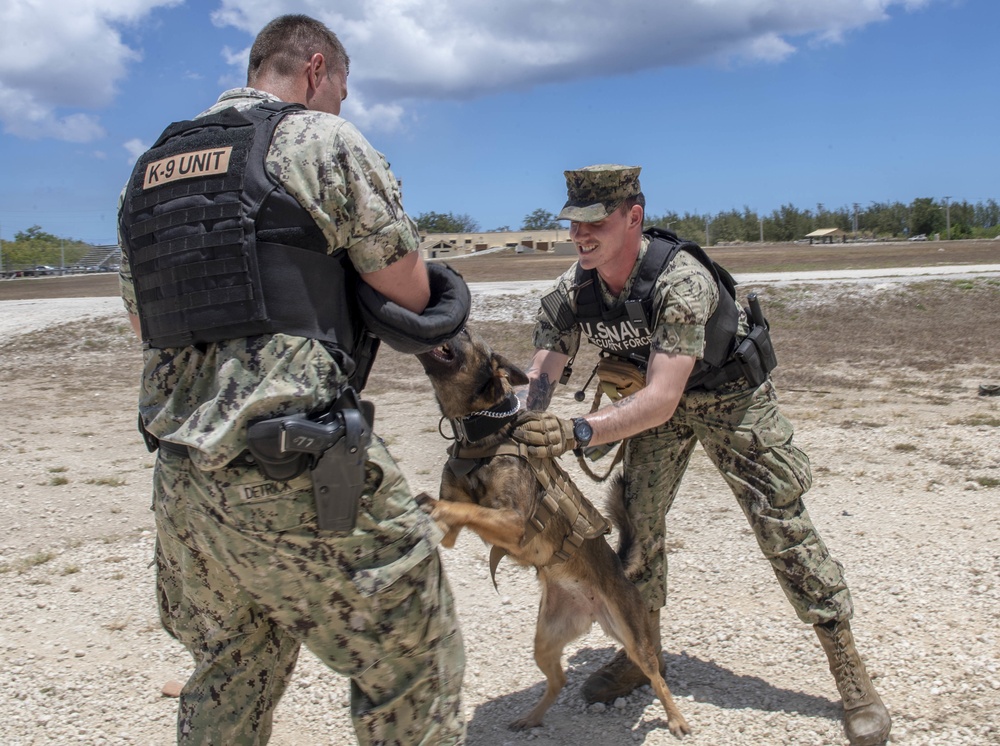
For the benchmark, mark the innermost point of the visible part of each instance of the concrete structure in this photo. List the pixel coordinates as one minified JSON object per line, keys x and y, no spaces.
{"x":437,"y":245}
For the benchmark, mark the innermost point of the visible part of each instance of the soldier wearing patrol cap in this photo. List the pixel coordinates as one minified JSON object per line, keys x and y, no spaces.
{"x":265,"y":248}
{"x":666,"y":319}
{"x":597,"y":191}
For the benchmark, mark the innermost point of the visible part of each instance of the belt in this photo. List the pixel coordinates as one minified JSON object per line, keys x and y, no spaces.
{"x":174,"y":449}
{"x":243,"y":458}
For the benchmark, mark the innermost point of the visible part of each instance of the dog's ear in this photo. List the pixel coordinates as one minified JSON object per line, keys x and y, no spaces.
{"x":515,"y":375}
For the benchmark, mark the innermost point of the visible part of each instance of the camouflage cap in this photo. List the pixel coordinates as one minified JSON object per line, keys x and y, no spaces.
{"x":595,"y":192}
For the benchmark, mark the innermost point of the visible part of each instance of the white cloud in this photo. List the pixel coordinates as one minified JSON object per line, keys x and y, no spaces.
{"x":135,"y":148}
{"x":420,"y":49}
{"x":71,"y":54}
{"x":63,"y":54}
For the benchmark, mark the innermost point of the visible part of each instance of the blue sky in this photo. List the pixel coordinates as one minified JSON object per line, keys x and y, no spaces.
{"x":480,"y":107}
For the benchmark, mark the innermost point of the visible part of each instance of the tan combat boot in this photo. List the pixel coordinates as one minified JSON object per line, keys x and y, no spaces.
{"x":866,"y":721}
{"x":620,"y":677}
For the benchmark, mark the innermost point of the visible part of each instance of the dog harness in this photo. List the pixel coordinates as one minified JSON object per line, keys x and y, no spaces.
{"x":560,"y":495}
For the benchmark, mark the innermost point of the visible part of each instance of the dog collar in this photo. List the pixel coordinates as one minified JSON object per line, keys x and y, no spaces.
{"x":479,"y":425}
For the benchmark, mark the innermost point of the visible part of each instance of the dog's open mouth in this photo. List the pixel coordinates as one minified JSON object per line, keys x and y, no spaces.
{"x":443,"y":354}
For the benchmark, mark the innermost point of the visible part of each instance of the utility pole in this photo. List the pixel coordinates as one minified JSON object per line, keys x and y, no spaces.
{"x":761,"y":221}
{"x":947,"y":216}
{"x":856,"y":206}
{"x":707,"y":241}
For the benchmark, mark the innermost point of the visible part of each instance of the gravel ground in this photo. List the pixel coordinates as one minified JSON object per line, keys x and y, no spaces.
{"x":895,"y":497}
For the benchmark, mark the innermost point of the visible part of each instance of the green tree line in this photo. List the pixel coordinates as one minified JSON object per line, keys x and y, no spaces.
{"x":35,"y":247}
{"x":923,"y":216}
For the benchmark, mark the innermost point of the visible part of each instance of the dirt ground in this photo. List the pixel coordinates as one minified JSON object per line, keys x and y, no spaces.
{"x":511,"y":267}
{"x":906,"y":458}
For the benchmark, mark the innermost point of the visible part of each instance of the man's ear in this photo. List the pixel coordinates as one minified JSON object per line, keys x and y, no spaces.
{"x":316,"y":70}
{"x":515,"y":375}
{"x":635,"y":216}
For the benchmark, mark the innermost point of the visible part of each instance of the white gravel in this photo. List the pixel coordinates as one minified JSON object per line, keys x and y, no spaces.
{"x":84,"y":659}
{"x":20,"y":316}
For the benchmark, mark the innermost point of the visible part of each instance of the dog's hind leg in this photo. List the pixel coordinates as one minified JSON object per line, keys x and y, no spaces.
{"x":675,"y":721}
{"x":623,"y":615}
{"x":561,"y":619}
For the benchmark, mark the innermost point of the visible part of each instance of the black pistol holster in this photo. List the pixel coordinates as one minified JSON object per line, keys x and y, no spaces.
{"x":333,"y":445}
{"x":755,"y":354}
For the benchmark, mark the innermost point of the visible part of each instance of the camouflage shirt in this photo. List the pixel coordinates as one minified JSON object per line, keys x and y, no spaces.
{"x":205,"y":398}
{"x":684,"y":298}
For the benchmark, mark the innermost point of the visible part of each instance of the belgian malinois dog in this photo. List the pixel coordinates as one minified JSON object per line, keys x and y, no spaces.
{"x":497,"y":495}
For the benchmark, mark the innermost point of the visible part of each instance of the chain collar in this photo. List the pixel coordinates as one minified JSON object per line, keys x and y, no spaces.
{"x":478,"y":425}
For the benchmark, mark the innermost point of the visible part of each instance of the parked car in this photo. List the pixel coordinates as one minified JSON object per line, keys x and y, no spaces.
{"x":40,"y":270}
{"x":919,"y":237}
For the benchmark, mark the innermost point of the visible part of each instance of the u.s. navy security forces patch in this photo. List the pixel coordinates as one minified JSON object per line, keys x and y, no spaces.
{"x":616,"y":337}
{"x":187,"y":165}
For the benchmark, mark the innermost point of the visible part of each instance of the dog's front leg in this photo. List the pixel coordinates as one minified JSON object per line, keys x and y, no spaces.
{"x":502,"y":527}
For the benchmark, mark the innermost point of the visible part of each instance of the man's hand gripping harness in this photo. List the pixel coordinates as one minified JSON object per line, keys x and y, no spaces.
{"x":545,"y":435}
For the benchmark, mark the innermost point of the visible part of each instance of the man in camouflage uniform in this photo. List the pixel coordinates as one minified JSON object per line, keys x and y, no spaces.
{"x":738,"y":425}
{"x":244,"y":574}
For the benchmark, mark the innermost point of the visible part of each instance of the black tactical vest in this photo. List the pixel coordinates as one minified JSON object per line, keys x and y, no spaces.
{"x":624,"y":331}
{"x":218,"y":250}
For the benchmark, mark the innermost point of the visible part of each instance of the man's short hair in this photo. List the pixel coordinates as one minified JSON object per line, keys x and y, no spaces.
{"x":638,"y":199}
{"x":286,"y":42}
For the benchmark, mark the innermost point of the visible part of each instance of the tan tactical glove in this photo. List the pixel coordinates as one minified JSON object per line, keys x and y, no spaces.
{"x":546,"y":435}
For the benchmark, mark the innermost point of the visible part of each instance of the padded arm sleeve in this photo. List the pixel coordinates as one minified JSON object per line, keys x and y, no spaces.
{"x":412,"y":333}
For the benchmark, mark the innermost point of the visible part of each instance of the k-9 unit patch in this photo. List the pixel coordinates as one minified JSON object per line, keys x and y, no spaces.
{"x":187,"y":166}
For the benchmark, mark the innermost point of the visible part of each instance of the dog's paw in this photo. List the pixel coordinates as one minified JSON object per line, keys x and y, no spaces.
{"x":525,"y":723}
{"x":435,"y":508}
{"x":678,"y":726}
{"x":438,"y":511}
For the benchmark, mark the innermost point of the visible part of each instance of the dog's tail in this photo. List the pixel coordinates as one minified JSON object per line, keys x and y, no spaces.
{"x":614,"y":506}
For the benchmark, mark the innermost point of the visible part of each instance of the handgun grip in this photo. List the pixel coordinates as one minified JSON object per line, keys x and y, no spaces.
{"x":305,"y":436}
{"x":756,"y":314}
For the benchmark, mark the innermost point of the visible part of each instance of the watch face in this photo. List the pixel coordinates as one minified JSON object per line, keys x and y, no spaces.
{"x":582,"y":431}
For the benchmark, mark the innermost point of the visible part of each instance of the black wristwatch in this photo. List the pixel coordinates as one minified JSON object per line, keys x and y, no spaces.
{"x":582,"y":433}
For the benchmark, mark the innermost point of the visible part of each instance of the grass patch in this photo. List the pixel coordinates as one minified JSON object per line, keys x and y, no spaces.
{"x":904,"y":447}
{"x":978,"y":420}
{"x":58,"y":481}
{"x":988,"y":481}
{"x":25,"y":564}
{"x":108,"y":481}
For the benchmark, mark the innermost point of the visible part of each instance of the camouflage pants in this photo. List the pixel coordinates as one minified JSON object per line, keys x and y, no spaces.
{"x":750,"y":442}
{"x":244,"y":578}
